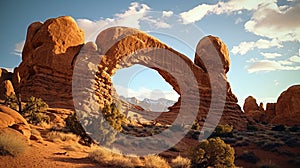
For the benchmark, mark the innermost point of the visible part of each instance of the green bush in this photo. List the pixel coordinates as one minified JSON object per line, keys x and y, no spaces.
{"x":213,"y":152}
{"x":105,"y":128}
{"x":34,"y":110}
{"x":12,"y":102}
{"x":251,"y":128}
{"x":248,"y":157}
{"x":222,"y":131}
{"x":12,"y":145}
{"x":279,"y":128}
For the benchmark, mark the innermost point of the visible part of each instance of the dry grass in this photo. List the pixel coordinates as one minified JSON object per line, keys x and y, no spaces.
{"x":55,"y":136}
{"x":154,"y":161}
{"x":12,"y":145}
{"x":180,"y":162}
{"x":111,"y":158}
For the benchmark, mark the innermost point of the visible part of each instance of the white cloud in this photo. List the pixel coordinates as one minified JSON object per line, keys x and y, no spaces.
{"x":271,"y":21}
{"x":270,"y":55}
{"x":157,"y":23}
{"x":129,"y":18}
{"x":237,"y":6}
{"x":295,"y":58}
{"x":276,"y":83}
{"x":167,"y":13}
{"x":19,"y":48}
{"x":196,"y":13}
{"x":143,"y":93}
{"x":244,"y":47}
{"x":268,"y":65}
{"x":238,"y":20}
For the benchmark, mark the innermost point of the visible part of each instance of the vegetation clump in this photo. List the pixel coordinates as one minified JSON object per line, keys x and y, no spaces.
{"x":212,"y":152}
{"x":34,"y":111}
{"x":11,"y":145}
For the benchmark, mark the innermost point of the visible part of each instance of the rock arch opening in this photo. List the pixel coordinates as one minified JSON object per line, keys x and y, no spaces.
{"x":144,"y":87}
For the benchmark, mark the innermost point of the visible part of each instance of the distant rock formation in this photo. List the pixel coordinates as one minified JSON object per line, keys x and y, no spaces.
{"x":51,"y":49}
{"x":286,"y":111}
{"x":250,"y":104}
{"x":47,"y":60}
{"x":288,"y":107}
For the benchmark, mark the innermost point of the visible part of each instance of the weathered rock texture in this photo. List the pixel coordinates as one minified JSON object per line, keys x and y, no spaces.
{"x":123,"y":47}
{"x":11,"y":118}
{"x":6,"y":89}
{"x":50,"y":52}
{"x":47,"y":60}
{"x":288,"y":107}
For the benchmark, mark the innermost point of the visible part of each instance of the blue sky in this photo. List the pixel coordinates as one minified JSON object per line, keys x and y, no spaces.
{"x":262,"y":36}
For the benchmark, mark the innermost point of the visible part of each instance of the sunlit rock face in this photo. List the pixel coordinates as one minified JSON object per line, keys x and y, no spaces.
{"x":52,"y":49}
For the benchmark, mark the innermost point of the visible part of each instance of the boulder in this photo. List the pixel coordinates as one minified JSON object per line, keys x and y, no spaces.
{"x":288,"y":107}
{"x":11,"y":118}
{"x":250,"y":104}
{"x":6,"y":89}
{"x":48,"y":56}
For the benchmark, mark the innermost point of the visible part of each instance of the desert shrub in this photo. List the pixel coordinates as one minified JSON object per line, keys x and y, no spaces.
{"x":212,"y":152}
{"x":278,"y":128}
{"x":222,"y":131}
{"x":155,"y":161}
{"x":180,"y":162}
{"x":251,"y":128}
{"x":248,"y":157}
{"x":12,"y":145}
{"x":112,"y":114}
{"x":104,"y":129}
{"x":33,"y":111}
{"x":12,"y":102}
{"x":110,"y":158}
{"x":267,"y":164}
{"x":294,"y":129}
{"x":55,"y":136}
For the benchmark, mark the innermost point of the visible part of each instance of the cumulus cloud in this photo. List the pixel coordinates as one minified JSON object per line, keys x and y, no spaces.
{"x":167,"y":13}
{"x":196,"y":13}
{"x":238,"y":20}
{"x":244,"y":47}
{"x":129,"y":18}
{"x":271,"y":21}
{"x":219,"y":8}
{"x":270,"y":55}
{"x":19,"y":48}
{"x":143,"y":93}
{"x":8,"y":69}
{"x":132,"y":17}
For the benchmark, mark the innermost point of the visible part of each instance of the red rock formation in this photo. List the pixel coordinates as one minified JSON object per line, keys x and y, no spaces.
{"x":250,"y":104}
{"x":47,"y":60}
{"x":49,"y":55}
{"x":11,"y":118}
{"x":6,"y":89}
{"x":288,"y":107}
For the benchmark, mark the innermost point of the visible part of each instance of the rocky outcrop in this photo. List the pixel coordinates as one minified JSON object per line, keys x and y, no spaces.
{"x":5,"y":75}
{"x":47,"y":61}
{"x":11,"y":118}
{"x":288,"y":107}
{"x":51,"y":49}
{"x":122,"y":47}
{"x":6,"y":89}
{"x":250,"y":104}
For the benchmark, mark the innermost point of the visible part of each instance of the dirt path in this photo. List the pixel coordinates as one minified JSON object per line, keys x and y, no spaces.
{"x":49,"y":154}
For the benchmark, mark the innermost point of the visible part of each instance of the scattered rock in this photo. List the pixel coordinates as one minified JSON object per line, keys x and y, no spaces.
{"x":6,"y":89}
{"x":11,"y":118}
